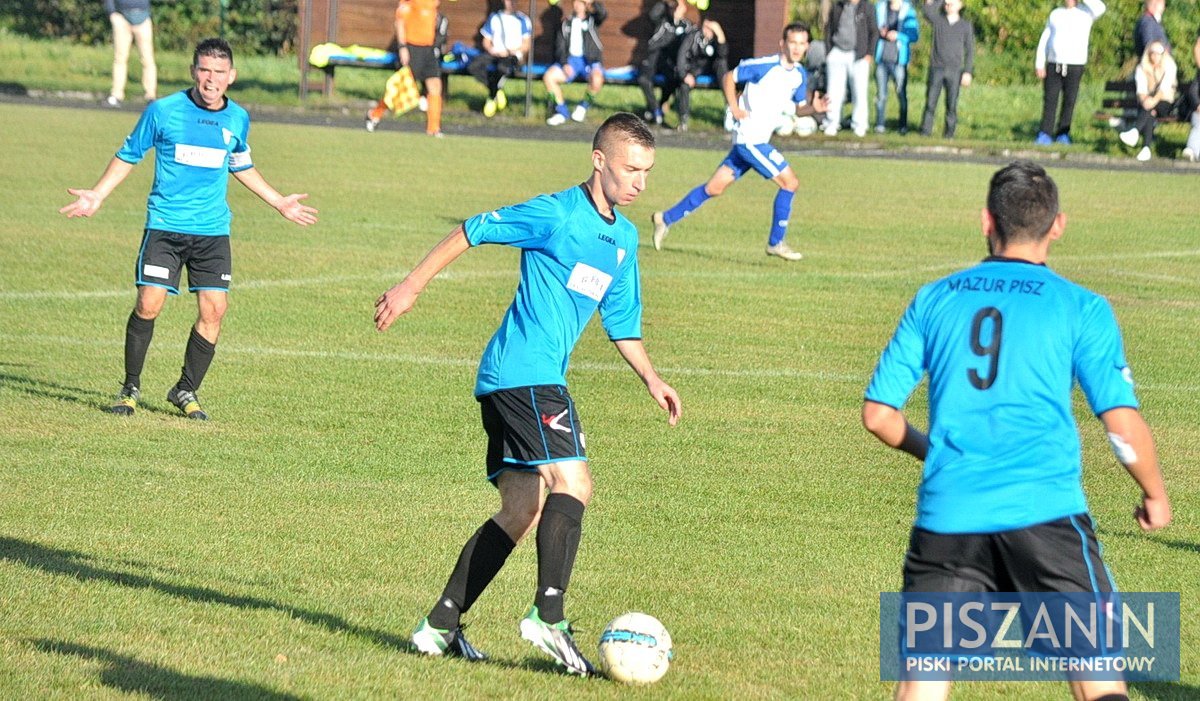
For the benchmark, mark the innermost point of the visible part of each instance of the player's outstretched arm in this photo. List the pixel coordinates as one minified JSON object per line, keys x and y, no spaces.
{"x":403,"y":295}
{"x":289,"y":207}
{"x":87,"y":202}
{"x":1134,"y":447}
{"x":729,"y":89}
{"x":818,"y":105}
{"x":889,"y":426}
{"x":634,"y":353}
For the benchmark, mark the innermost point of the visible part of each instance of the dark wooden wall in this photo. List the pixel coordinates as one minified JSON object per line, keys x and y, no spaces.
{"x":752,"y":27}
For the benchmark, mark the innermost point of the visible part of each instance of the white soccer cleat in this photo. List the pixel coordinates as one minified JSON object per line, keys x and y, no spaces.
{"x":784,"y":251}
{"x":557,"y":119}
{"x":1189,"y":154}
{"x":1144,"y":154}
{"x":660,"y":229}
{"x":579,"y":113}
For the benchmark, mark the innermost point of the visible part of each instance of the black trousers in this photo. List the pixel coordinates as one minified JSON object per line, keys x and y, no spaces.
{"x":683,"y":94}
{"x":1061,"y":79}
{"x":1147,"y":119}
{"x":951,"y":80}
{"x":646,"y":73}
{"x":491,"y":71}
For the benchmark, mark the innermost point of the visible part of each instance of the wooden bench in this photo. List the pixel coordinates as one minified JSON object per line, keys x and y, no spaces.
{"x":1119,"y":106}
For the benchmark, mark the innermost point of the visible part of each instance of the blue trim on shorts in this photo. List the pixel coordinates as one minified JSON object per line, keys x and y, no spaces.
{"x":537,"y":415}
{"x":492,"y":477}
{"x":168,"y":288}
{"x":211,"y":289}
{"x":550,"y":461}
{"x":1086,"y":560}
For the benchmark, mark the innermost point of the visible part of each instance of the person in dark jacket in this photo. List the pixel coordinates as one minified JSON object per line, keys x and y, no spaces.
{"x":951,"y":62}
{"x":703,"y":52}
{"x":671,"y":25}
{"x":577,"y":52}
{"x":850,"y":38}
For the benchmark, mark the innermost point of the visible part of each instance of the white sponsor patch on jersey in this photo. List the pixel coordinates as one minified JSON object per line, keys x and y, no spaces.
{"x":588,"y":281}
{"x":620,"y":256}
{"x":199,"y":156}
{"x":226,"y":135}
{"x":156,"y":271}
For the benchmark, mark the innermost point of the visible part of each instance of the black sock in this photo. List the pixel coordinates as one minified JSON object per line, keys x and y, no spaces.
{"x":138,"y":332}
{"x":1114,"y":697}
{"x":558,"y":536}
{"x":196,"y":359}
{"x":481,"y":558}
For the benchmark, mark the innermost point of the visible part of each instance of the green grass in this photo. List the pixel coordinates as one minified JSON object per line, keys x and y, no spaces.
{"x":992,"y":118}
{"x":286,"y":548}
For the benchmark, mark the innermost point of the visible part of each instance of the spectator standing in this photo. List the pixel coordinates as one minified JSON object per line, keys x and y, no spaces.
{"x":951,"y":63}
{"x":851,"y":35}
{"x":898,"y":30}
{"x":670,"y":27}
{"x":1155,"y":79}
{"x":131,"y":24}
{"x":703,"y":52}
{"x":417,"y":29}
{"x":577,"y":52}
{"x":1149,"y":28}
{"x":1062,"y":53}
{"x":507,"y":35}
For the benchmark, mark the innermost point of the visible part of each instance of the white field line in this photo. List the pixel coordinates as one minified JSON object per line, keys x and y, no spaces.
{"x":446,"y":361}
{"x":396,"y":276}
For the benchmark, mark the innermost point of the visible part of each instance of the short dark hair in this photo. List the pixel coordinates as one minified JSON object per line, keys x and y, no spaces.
{"x":624,"y":126}
{"x":1023,"y":201}
{"x":796,"y":27}
{"x":213,"y":48}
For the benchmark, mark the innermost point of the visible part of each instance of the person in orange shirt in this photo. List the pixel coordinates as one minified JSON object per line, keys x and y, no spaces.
{"x":416,"y":38}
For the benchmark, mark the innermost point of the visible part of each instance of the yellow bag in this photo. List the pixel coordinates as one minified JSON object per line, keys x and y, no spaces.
{"x":401,"y":93}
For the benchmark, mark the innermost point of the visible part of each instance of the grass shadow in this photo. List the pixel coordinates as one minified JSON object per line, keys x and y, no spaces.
{"x":134,"y":676}
{"x":1174,"y":544}
{"x":91,"y":399}
{"x":84,"y":568}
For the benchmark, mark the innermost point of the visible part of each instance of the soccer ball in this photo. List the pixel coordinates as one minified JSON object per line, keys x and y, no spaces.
{"x":805,"y":126}
{"x":635,"y":649}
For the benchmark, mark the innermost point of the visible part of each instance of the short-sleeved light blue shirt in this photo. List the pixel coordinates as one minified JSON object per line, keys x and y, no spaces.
{"x":1003,"y":344}
{"x":196,"y":149}
{"x":573,"y":262}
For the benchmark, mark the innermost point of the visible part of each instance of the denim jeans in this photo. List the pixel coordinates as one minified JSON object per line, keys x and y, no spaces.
{"x":1193,"y":140}
{"x":898,"y":74}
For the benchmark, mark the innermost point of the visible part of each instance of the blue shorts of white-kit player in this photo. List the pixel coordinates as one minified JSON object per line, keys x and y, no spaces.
{"x":764,"y":159}
{"x":578,"y":66}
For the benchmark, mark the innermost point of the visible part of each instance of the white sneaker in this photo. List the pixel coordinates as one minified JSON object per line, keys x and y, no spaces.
{"x":1189,"y":154}
{"x":660,"y":229}
{"x":830,"y":129}
{"x":860,"y":132}
{"x":111,"y":101}
{"x":784,"y":251}
{"x":556,"y":119}
{"x":1129,"y":137}
{"x":371,"y":123}
{"x":579,"y":113}
{"x":1144,"y":154}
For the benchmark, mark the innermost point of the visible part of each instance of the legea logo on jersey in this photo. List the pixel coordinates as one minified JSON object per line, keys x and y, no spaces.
{"x":589,"y":281}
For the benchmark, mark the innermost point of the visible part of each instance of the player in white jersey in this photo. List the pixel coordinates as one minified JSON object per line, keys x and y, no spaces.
{"x":775,"y":85}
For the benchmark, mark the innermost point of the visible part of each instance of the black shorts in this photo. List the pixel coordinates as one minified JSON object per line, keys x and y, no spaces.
{"x":163,"y":254}
{"x":1056,"y":556}
{"x":530,"y":426}
{"x":424,"y":62}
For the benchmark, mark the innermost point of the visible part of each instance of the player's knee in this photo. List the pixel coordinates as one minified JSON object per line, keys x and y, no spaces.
{"x":518,"y":519}
{"x":788,"y":182}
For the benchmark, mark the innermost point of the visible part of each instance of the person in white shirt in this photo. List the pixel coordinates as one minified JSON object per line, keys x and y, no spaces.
{"x":507,"y":35}
{"x":776,"y":87}
{"x":1061,"y":56}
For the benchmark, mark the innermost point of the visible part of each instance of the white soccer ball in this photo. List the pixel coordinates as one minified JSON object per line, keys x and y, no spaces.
{"x":635,"y":649}
{"x":805,"y":126}
{"x":787,"y":124}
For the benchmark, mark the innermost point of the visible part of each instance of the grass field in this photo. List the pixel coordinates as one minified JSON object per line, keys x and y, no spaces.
{"x":286,"y":548}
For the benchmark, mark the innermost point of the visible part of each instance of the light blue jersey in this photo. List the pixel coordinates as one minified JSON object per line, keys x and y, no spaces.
{"x":573,"y":261}
{"x":195,"y":150}
{"x":1003,"y":344}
